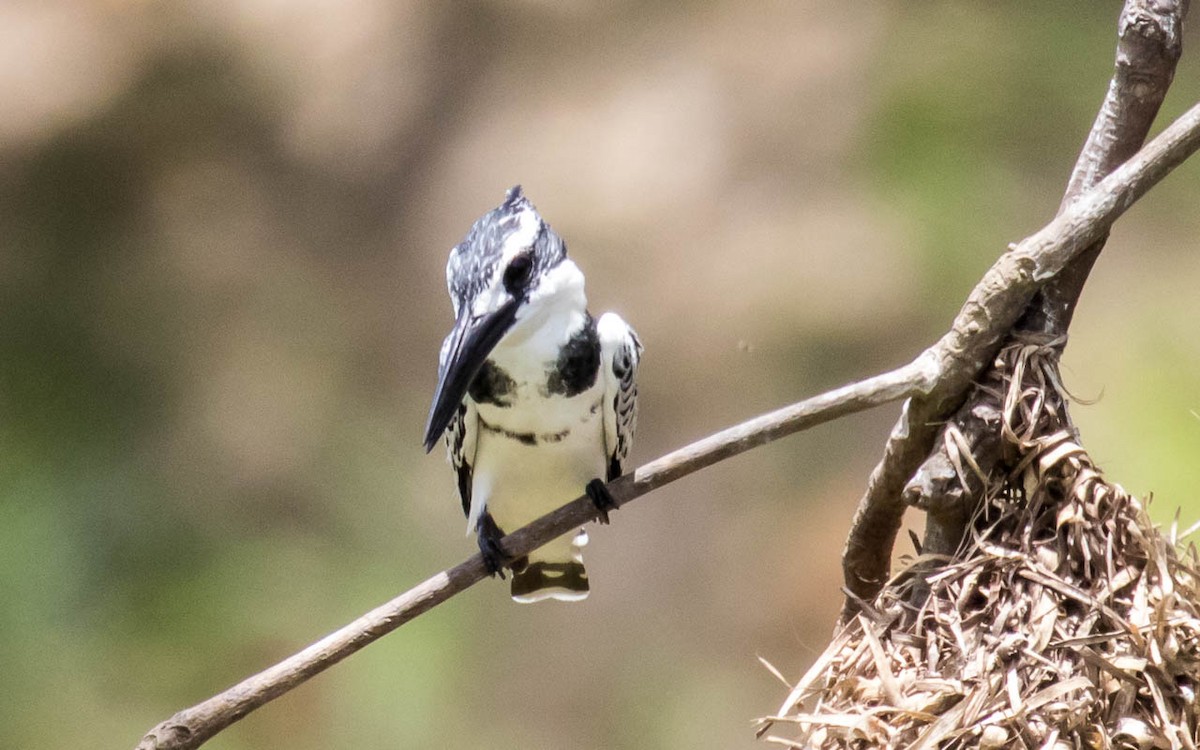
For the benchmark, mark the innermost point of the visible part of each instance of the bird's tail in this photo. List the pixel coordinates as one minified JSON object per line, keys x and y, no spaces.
{"x":555,"y":571}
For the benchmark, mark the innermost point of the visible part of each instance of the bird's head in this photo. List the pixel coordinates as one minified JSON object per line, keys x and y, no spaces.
{"x":505,"y":279}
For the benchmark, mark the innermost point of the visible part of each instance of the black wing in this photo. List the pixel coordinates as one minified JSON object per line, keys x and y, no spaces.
{"x":620,"y":352}
{"x":461,"y":436}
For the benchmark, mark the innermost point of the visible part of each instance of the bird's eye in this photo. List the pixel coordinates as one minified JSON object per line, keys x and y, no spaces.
{"x":516,"y":276}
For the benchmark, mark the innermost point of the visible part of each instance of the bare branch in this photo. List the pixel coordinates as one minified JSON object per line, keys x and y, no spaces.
{"x":191,"y":727}
{"x":1148,"y":47}
{"x":987,"y":317}
{"x":1149,"y":43}
{"x":1002,"y":293}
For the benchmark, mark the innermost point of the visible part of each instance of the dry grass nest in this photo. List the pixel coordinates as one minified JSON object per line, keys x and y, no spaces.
{"x":1066,"y":619}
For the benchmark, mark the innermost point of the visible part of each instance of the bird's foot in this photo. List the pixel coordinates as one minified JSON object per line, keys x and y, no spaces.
{"x":488,"y":534}
{"x":601,"y":498}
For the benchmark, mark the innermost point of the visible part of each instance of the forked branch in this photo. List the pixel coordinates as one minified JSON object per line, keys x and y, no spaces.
{"x":966,"y":456}
{"x":928,"y":381}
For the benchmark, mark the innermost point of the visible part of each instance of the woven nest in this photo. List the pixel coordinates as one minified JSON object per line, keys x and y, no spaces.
{"x":1065,"y":620}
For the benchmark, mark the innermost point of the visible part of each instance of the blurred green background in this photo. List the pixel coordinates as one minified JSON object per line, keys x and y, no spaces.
{"x":223,"y":228}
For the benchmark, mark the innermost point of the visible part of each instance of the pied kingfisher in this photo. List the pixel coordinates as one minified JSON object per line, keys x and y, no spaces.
{"x":537,"y":400}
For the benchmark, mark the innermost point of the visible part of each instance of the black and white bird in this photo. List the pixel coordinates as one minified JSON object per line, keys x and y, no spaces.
{"x":537,"y":400}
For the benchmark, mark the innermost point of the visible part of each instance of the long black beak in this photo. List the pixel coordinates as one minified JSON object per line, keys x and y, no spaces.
{"x":471,"y":341}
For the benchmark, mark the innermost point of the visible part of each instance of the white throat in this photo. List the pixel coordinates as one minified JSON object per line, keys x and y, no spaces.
{"x":557,"y":309}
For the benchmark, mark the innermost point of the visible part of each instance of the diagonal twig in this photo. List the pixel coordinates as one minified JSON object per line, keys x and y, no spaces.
{"x":191,"y":727}
{"x":1149,"y":46}
{"x":987,"y":314}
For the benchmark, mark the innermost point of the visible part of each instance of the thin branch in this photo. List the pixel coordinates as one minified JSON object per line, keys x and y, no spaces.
{"x":988,"y":315}
{"x":191,"y":727}
{"x":1149,"y":45}
{"x":1007,"y":285}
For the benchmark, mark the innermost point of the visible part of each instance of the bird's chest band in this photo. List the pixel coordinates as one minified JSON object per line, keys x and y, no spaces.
{"x":525,"y":438}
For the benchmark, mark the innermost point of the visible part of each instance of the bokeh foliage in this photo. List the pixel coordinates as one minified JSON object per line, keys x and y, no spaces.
{"x":221,"y":299}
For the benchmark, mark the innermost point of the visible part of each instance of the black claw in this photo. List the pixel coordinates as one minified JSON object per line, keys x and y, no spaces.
{"x":488,"y":534}
{"x":601,"y":498}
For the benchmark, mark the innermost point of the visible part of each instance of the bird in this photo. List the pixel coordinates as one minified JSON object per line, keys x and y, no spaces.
{"x":535,"y":398}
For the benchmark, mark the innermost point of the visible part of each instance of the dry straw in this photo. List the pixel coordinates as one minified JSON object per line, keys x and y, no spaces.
{"x":1065,"y":620}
